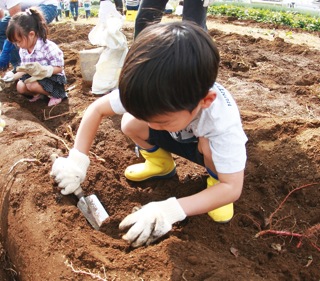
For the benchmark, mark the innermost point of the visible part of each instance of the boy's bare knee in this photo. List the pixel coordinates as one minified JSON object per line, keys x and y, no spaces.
{"x":127,"y":129}
{"x":127,"y":125}
{"x":134,"y":128}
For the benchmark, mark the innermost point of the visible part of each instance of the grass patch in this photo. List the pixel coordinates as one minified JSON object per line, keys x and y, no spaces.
{"x":274,"y":15}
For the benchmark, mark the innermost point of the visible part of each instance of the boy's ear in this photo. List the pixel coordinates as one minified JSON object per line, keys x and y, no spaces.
{"x":208,"y":99}
{"x":32,"y":33}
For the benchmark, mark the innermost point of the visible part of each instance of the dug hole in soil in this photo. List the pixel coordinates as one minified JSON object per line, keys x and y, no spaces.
{"x":44,"y":236}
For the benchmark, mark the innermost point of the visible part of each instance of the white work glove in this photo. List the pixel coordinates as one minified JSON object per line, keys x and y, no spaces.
{"x":36,"y":71}
{"x":207,"y":3}
{"x":8,"y":77}
{"x":152,"y":221}
{"x":70,"y":172}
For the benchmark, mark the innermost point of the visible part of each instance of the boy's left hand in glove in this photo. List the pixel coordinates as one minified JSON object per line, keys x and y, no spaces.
{"x":152,"y":221}
{"x":36,"y":71}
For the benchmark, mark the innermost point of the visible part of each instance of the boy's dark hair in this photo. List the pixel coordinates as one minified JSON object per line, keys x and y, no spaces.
{"x":22,"y":23}
{"x":170,"y":67}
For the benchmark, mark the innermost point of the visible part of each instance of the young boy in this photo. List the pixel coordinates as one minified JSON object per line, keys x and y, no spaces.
{"x":171,"y":104}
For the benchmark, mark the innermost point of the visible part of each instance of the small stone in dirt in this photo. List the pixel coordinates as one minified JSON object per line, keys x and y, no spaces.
{"x":193,"y":260}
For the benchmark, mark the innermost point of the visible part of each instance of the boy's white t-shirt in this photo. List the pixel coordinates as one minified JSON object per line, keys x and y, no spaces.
{"x":220,"y":123}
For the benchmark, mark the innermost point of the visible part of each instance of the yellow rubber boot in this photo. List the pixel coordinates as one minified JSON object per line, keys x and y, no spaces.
{"x":223,"y":214}
{"x":158,"y":164}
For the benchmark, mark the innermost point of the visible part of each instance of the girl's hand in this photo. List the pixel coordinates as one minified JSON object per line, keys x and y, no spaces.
{"x":36,"y":71}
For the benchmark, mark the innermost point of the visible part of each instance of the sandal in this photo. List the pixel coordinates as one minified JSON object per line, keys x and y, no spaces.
{"x":35,"y":98}
{"x":54,"y":101}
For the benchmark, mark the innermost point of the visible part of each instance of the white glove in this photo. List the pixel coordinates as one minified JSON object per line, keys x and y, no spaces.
{"x":152,"y":221}
{"x":70,"y":172}
{"x":8,"y":77}
{"x":36,"y":71}
{"x":207,"y":3}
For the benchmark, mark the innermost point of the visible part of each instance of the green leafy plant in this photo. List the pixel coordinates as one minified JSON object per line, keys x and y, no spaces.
{"x":278,"y":17}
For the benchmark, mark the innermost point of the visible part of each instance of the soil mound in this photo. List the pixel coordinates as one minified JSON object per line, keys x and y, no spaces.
{"x":44,"y":237}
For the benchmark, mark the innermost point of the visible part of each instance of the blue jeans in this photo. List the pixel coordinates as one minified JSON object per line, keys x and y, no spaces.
{"x":59,"y":14}
{"x":74,"y":8}
{"x":151,"y":11}
{"x":14,"y":55}
{"x":49,"y":12}
{"x":132,"y":8}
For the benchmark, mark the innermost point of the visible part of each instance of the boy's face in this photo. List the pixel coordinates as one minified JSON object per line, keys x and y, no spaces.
{"x":176,"y":121}
{"x":173,"y":121}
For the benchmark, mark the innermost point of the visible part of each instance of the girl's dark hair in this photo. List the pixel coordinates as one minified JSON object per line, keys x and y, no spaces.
{"x":22,"y":23}
{"x":170,"y":67}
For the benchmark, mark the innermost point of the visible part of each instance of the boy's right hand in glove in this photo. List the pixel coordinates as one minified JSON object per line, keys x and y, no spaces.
{"x":70,"y":172}
{"x":36,"y":71}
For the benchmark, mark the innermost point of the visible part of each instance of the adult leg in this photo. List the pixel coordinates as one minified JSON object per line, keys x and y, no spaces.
{"x":49,"y":12}
{"x":72,"y":9}
{"x":76,"y":10}
{"x":119,"y":6}
{"x":3,"y":27}
{"x":59,"y":15}
{"x":14,"y":54}
{"x":193,"y":10}
{"x":150,"y":11}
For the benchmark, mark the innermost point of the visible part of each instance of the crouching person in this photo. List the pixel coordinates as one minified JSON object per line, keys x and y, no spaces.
{"x":170,"y":104}
{"x":42,"y":64}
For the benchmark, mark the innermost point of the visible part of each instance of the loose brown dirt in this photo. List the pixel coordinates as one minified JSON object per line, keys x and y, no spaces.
{"x":276,"y":84}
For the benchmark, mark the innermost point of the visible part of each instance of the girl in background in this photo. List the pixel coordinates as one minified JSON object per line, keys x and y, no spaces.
{"x":67,"y":9}
{"x":87,"y":8}
{"x":10,"y":54}
{"x":42,"y":62}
